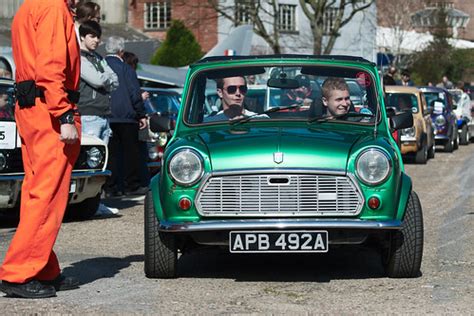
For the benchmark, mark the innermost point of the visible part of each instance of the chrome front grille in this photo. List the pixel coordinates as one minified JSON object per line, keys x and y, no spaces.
{"x":279,"y":195}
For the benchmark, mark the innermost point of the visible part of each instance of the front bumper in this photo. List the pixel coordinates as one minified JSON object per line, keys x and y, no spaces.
{"x":276,"y":224}
{"x":86,"y":184}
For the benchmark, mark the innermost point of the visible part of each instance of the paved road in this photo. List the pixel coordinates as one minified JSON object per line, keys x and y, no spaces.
{"x":107,"y":256}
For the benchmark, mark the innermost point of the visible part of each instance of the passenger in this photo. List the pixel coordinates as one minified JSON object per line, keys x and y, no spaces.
{"x":336,"y":97}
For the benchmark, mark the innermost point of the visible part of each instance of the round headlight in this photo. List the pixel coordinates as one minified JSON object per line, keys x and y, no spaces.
{"x":94,"y":157}
{"x":440,"y":120}
{"x":186,"y":167}
{"x":3,"y":161}
{"x":373,"y":166}
{"x":410,"y":131}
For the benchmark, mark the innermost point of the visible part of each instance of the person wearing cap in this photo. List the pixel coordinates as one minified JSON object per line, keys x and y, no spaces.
{"x":303,"y":95}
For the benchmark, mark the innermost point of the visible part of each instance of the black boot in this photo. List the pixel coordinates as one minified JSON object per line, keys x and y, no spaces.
{"x":31,"y":289}
{"x":63,"y":283}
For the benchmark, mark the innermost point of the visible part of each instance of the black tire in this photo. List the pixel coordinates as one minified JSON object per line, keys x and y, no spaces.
{"x":449,"y":146}
{"x":464,"y":137}
{"x":406,"y":245}
{"x":421,"y":156}
{"x":84,"y":210}
{"x":161,"y":255}
{"x":456,"y":139}
{"x":432,"y":150}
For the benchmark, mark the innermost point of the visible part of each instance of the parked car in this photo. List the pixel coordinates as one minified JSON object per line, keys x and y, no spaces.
{"x":463,"y":115}
{"x":280,"y":181}
{"x":88,"y":176}
{"x":418,"y":140}
{"x":443,"y":117}
{"x":162,"y":103}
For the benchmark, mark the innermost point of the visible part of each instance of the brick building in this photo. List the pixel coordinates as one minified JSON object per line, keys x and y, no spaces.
{"x":154,"y":17}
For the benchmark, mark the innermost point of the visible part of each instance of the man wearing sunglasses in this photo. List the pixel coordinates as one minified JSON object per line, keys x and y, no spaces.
{"x":231,"y":91}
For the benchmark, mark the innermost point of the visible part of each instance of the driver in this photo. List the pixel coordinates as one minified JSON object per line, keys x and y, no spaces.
{"x":231,"y":91}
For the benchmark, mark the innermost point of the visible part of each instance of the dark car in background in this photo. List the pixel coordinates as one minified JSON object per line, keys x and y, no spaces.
{"x":162,"y":103}
{"x":443,"y":117}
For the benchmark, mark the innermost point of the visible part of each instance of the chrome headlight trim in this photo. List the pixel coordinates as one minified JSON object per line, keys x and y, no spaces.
{"x":440,"y":120}
{"x":94,"y":157}
{"x":373,"y":166}
{"x":186,"y":161}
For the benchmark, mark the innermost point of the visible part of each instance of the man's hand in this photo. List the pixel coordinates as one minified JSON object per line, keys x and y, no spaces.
{"x":142,"y":123}
{"x":69,"y":134}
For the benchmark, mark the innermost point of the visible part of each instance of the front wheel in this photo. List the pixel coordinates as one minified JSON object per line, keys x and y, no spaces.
{"x":161,"y":255}
{"x":464,"y":137}
{"x":406,"y":245}
{"x":422,"y":155}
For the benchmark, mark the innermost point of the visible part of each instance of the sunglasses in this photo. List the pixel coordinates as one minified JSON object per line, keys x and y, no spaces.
{"x":233,"y":89}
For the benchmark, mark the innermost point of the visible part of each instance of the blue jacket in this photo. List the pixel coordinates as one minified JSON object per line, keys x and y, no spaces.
{"x":126,"y":101}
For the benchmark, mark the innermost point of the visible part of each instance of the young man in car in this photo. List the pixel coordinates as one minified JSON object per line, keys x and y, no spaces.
{"x":336,"y":97}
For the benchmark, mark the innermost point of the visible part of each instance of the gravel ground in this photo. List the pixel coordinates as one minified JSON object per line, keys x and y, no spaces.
{"x":107,"y":256}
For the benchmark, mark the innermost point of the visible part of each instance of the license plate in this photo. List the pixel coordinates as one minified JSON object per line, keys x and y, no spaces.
{"x":278,"y":241}
{"x":72,"y":188}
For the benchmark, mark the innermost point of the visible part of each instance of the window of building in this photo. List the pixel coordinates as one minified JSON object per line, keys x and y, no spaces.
{"x":243,"y":9}
{"x":287,"y":18}
{"x":157,"y":15}
{"x":330,"y":17}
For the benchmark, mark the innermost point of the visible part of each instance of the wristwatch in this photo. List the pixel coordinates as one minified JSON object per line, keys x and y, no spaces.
{"x":67,"y":118}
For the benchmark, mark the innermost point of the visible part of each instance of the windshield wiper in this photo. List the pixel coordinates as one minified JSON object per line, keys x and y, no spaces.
{"x":326,"y":118}
{"x":244,"y":119}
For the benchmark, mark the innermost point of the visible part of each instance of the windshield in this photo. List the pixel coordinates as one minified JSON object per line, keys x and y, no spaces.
{"x":403,"y":102}
{"x":163,"y":102}
{"x":282,"y":93}
{"x":431,"y":97}
{"x":7,"y":104}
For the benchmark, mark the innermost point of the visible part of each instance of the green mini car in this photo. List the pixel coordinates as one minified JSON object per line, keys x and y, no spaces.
{"x":286,"y":164}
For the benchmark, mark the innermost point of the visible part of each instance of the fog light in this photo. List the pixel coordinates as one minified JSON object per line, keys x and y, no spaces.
{"x":184,"y":204}
{"x":374,"y":203}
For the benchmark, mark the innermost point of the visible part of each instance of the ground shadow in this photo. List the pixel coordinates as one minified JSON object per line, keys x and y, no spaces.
{"x":341,"y":263}
{"x":89,"y":270}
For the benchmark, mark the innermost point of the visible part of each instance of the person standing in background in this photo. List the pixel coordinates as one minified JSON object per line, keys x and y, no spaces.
{"x":49,"y":128}
{"x":389,"y":78}
{"x":128,"y":116}
{"x":86,"y":11}
{"x":98,"y":80}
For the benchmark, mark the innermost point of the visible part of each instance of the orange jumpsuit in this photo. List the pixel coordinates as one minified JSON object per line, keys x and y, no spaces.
{"x":45,"y":49}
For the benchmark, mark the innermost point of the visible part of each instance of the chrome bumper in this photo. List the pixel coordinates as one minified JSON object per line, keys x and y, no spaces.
{"x":10,"y":186}
{"x":227,"y":225}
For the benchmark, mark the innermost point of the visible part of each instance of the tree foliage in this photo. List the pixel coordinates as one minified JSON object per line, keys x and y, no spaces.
{"x":180,"y":47}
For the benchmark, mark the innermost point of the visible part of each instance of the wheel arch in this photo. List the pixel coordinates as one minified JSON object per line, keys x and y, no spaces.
{"x":405,"y":189}
{"x":155,"y":191}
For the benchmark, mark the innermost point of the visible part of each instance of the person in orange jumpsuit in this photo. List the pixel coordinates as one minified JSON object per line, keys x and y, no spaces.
{"x":47,"y":58}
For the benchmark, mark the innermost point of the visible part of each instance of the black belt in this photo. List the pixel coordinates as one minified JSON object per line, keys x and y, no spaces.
{"x":72,"y":95}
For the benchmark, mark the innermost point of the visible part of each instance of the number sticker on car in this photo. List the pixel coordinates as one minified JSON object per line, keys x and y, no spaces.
{"x":278,"y":241}
{"x":7,"y":135}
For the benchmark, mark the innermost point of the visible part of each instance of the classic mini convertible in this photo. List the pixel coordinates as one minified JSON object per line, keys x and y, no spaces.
{"x":291,"y":177}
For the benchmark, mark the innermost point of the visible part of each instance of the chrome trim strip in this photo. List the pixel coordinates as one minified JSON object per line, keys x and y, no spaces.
{"x":272,"y":224}
{"x":88,"y":174}
{"x":330,"y":172}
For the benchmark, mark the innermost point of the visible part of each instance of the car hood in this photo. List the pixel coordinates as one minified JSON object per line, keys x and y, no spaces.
{"x":272,"y":147}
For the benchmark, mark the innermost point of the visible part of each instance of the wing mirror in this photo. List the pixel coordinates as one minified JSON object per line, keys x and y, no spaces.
{"x":160,"y":123}
{"x":401,"y":121}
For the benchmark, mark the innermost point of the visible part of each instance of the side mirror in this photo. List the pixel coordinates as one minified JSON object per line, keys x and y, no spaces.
{"x":160,"y":123}
{"x":401,"y":121}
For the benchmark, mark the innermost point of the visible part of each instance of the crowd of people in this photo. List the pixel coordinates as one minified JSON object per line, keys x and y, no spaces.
{"x":389,"y":79}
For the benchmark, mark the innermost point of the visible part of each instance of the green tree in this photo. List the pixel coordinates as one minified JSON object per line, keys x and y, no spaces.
{"x":180,"y":47}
